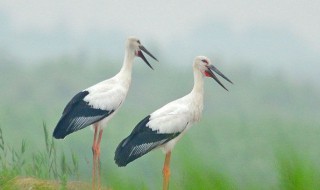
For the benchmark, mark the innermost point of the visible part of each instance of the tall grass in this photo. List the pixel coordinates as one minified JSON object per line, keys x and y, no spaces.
{"x":42,"y":164}
{"x":295,"y":171}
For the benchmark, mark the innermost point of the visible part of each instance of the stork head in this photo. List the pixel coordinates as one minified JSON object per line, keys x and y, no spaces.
{"x":134,"y":46}
{"x":207,"y":69}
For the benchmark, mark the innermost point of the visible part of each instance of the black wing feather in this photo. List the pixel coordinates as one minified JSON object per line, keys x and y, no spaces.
{"x":76,"y":99}
{"x":141,"y":141}
{"x":77,"y":115}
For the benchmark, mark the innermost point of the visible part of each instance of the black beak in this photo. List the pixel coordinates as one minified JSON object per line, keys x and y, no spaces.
{"x":140,"y":54}
{"x":210,"y":70}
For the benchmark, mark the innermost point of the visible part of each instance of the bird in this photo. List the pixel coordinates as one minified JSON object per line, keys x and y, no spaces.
{"x":164,"y":127}
{"x":97,"y":104}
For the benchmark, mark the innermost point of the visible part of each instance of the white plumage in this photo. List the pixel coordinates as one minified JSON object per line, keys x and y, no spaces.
{"x":99,"y":103}
{"x":179,"y":115}
{"x":164,"y":127}
{"x":109,"y":94}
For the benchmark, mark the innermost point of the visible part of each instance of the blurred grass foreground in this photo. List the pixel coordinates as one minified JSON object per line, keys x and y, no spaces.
{"x":262,"y":134}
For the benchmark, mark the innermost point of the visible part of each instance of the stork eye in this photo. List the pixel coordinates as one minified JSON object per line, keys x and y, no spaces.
{"x":205,"y":61}
{"x":138,"y":42}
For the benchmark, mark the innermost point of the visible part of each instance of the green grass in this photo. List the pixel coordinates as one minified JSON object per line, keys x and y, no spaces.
{"x":44,"y":169}
{"x":40,"y":164}
{"x":295,"y":170}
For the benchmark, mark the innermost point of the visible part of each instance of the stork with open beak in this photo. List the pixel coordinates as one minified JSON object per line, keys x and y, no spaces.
{"x":165,"y":126}
{"x":97,"y":104}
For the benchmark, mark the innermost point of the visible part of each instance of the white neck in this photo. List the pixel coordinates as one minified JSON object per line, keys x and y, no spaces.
{"x":198,"y":83}
{"x":127,"y":63}
{"x":196,"y":94}
{"x":126,"y":69}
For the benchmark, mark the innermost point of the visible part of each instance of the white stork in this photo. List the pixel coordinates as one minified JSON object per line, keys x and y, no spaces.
{"x":164,"y":127}
{"x":97,"y":104}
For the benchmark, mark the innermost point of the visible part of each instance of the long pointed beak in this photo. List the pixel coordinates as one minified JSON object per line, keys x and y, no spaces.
{"x":140,"y":54}
{"x":210,"y":70}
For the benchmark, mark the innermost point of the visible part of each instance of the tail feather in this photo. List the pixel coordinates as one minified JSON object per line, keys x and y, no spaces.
{"x":61,"y":130}
{"x":73,"y":121}
{"x":122,"y":154}
{"x":129,"y":150}
{"x":141,"y":141}
{"x":77,"y":115}
{"x":135,"y":146}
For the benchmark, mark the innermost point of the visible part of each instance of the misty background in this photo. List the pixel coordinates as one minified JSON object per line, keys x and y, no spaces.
{"x":278,"y":35}
{"x":50,"y":50}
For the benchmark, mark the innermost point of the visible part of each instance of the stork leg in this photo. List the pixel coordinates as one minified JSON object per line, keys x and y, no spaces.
{"x":98,"y":158}
{"x":166,"y":171}
{"x":94,"y":153}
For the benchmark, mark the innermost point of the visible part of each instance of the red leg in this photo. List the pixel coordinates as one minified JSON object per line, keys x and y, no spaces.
{"x":98,"y":158}
{"x":166,"y":171}
{"x":94,"y":157}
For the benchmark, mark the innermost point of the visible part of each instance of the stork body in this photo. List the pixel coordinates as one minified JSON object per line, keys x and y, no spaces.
{"x":164,"y":127}
{"x":97,"y":104}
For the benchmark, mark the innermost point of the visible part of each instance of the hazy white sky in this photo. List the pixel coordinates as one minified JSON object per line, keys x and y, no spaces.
{"x":162,"y":20}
